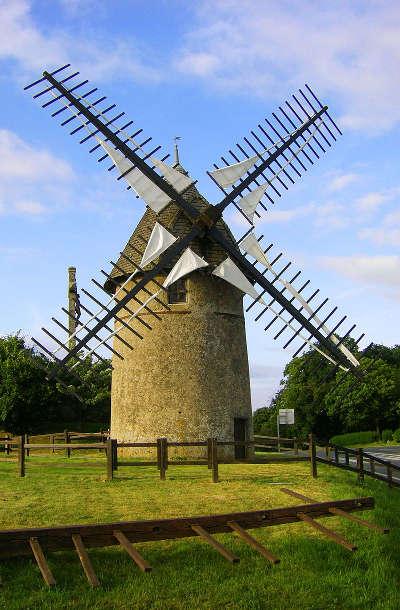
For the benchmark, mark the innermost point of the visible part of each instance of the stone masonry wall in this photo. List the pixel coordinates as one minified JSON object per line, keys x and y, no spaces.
{"x":188,"y":378}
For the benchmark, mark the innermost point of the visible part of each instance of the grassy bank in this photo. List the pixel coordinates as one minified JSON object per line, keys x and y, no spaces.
{"x":314,"y":573}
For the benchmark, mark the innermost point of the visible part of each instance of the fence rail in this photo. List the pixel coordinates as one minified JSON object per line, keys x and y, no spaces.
{"x":24,"y":445}
{"x":356,"y":460}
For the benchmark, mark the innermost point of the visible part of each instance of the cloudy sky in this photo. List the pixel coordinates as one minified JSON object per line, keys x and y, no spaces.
{"x":208,"y":72}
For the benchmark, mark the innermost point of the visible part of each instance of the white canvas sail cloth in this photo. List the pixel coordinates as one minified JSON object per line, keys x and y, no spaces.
{"x":251,"y":246}
{"x":226,"y":176}
{"x":159,"y":241}
{"x":154,"y":197}
{"x":228,"y":271}
{"x":178,"y":180}
{"x":249,"y":202}
{"x":189,"y":261}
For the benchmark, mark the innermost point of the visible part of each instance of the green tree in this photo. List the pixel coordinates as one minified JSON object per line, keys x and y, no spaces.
{"x":25,"y":394}
{"x":32,"y":400}
{"x":370,"y":404}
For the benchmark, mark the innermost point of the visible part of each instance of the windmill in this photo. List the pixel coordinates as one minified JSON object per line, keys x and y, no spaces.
{"x":183,"y":238}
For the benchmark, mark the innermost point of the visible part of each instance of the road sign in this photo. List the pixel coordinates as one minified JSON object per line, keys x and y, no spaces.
{"x":286,"y":416}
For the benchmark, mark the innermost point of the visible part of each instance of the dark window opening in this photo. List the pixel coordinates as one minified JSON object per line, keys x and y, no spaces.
{"x":239,"y":434}
{"x":177,"y":292}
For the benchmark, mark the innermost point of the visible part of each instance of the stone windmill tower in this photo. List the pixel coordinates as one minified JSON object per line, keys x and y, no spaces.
{"x":186,"y":375}
{"x":189,"y":379}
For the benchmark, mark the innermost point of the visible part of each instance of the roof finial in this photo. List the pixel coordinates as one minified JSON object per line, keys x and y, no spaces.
{"x":176,"y":138}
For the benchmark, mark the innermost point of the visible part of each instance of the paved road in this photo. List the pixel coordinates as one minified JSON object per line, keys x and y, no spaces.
{"x":386,"y":452}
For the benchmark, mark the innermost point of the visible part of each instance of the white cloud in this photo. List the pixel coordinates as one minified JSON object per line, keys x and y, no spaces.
{"x":351,"y":49}
{"x":33,"y":48}
{"x":330,"y":215}
{"x":368,"y":270}
{"x":22,"y":161}
{"x":32,"y":208}
{"x":30,"y":178}
{"x":372,"y":201}
{"x":281,"y":216}
{"x":387,"y":233}
{"x":340,"y":182}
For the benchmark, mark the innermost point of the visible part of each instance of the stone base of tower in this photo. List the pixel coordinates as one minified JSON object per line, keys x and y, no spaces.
{"x":188,"y":379}
{"x":180,"y":454}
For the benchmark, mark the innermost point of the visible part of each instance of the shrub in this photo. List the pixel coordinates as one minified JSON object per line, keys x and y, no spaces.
{"x":387,"y":435}
{"x":354,"y":438}
{"x":396,"y":435}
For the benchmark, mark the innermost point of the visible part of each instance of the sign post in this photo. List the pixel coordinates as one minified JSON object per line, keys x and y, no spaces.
{"x":285,"y":416}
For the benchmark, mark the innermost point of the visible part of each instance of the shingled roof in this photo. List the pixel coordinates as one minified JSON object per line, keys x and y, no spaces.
{"x":175,"y":221}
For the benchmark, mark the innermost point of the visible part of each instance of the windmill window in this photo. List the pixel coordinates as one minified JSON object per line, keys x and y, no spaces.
{"x":177,"y":292}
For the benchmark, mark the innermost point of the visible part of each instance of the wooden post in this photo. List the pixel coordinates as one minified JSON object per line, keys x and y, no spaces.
{"x":313,"y":460}
{"x":26,"y":443}
{"x":165,"y":454}
{"x":114,"y":444}
{"x":336,"y":455}
{"x":327,"y":451}
{"x":21,"y":456}
{"x":110,"y":470}
{"x":8,"y":447}
{"x":163,"y":458}
{"x":295,"y":446}
{"x":347,"y":458}
{"x":52,"y":442}
{"x":67,"y":441}
{"x":42,"y":563}
{"x":85,"y":561}
{"x":389,"y":474}
{"x":214,"y":460}
{"x":209,"y":453}
{"x":360,"y":465}
{"x":159,"y":454}
{"x":130,"y":549}
{"x":372,"y":465}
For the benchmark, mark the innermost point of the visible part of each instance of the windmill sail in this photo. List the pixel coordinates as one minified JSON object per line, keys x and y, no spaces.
{"x":189,"y":261}
{"x":228,"y":271}
{"x":276,"y":151}
{"x":251,"y":246}
{"x":155,"y":198}
{"x":178,"y":180}
{"x":249,"y":202}
{"x":226,"y":176}
{"x":159,"y":241}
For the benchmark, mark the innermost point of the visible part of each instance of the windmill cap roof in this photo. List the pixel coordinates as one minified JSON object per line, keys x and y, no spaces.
{"x":175,"y":221}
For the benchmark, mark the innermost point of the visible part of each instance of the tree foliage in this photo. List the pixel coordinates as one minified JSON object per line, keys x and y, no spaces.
{"x":32,"y":401}
{"x":327,"y":405}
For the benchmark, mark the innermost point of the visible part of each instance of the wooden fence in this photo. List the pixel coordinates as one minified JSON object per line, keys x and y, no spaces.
{"x":361,"y":462}
{"x":278,"y":443}
{"x":212,"y":459}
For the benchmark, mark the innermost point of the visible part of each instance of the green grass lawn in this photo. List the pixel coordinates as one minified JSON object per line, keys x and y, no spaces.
{"x":314,"y":572}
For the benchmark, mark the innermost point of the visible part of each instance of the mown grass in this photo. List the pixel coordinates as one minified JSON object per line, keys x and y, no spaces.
{"x":314,"y":573}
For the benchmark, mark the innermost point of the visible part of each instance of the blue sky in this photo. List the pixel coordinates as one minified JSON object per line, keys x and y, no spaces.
{"x":208,"y":72}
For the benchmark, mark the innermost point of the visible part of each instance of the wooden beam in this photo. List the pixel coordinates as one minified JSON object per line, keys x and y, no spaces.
{"x":327,"y":532}
{"x":15,"y":543}
{"x":253,"y":542}
{"x":85,"y":561}
{"x":42,"y":563}
{"x":372,"y":526}
{"x":339,"y":512}
{"x":215,"y":544}
{"x":130,"y":549}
